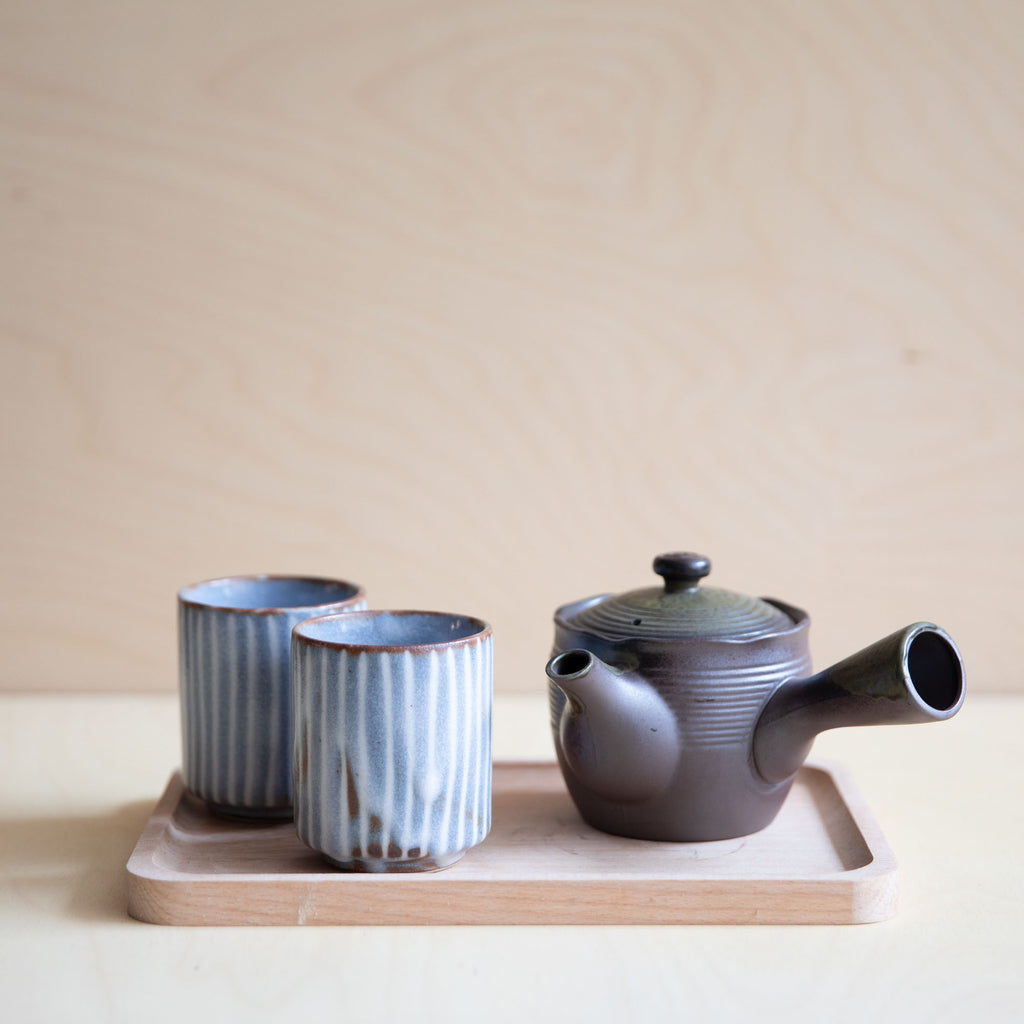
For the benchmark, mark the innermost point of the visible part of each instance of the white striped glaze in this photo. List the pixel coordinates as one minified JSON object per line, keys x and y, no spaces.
{"x":392,"y":753}
{"x":235,"y":689}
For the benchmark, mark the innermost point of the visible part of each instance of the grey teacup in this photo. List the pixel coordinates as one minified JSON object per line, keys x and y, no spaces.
{"x":392,"y":745}
{"x":234,"y":638}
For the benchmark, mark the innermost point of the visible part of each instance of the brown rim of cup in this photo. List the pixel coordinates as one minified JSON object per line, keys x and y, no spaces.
{"x":357,"y":593}
{"x":482,"y":631}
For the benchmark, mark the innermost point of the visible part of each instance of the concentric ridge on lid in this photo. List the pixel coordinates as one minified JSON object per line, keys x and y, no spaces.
{"x":682,"y":609}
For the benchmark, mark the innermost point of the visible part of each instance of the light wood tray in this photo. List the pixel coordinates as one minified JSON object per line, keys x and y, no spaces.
{"x":822,"y":861}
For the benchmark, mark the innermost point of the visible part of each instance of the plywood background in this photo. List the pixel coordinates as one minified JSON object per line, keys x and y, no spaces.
{"x":485,"y":304}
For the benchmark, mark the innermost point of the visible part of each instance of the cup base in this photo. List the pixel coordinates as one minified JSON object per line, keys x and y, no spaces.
{"x":384,"y":865}
{"x":270,"y":815}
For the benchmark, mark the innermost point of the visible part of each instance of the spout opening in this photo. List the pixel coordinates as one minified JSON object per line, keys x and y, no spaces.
{"x":935,"y":670}
{"x":570,"y":665}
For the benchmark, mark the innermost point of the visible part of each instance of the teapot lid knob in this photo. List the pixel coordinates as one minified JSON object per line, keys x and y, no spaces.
{"x":682,"y":570}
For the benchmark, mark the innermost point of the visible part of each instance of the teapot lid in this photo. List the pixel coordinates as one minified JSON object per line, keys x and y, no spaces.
{"x":682,"y":608}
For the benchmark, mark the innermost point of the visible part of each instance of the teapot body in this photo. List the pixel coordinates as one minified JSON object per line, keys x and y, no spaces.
{"x":684,"y":713}
{"x":714,"y":690}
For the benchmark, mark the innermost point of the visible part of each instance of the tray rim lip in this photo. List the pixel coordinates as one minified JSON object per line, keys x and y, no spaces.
{"x":876,"y":879}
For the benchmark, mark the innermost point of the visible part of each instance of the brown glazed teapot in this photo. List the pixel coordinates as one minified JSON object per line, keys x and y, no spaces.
{"x":683,"y":712}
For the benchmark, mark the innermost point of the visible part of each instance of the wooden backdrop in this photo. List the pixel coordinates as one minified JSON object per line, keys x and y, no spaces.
{"x":484,"y":304}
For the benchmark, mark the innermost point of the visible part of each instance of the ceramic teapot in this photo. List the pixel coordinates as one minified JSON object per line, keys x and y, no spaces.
{"x":683,"y":712}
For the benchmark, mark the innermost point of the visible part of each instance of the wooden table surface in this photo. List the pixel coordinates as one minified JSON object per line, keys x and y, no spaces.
{"x":80,"y":776}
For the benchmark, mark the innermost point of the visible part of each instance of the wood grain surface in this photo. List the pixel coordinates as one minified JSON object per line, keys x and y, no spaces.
{"x":484,"y":305}
{"x":822,"y":861}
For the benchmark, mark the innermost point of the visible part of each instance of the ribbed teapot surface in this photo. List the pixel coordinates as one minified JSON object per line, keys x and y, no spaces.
{"x":681,"y":609}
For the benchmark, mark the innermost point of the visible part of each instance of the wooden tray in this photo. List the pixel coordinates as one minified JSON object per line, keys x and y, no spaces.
{"x":822,"y":861}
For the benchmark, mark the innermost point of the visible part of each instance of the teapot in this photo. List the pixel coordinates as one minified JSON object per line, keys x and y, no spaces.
{"x":682,"y":713}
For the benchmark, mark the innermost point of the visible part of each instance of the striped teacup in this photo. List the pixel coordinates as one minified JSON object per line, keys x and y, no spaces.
{"x":234,"y":637}
{"x":392,"y":751}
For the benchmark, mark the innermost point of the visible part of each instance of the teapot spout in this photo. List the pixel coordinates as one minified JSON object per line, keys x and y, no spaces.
{"x":913,"y":675}
{"x":616,"y":734}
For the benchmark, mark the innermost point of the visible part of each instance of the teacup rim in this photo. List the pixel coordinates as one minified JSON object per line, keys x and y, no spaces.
{"x":482,"y":632}
{"x":358,"y":593}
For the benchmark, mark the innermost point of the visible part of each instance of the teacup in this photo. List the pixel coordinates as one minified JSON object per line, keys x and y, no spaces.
{"x":234,"y":638}
{"x":392,"y":752}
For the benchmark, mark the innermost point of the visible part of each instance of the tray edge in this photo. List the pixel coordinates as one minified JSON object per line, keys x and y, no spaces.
{"x":862,"y":895}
